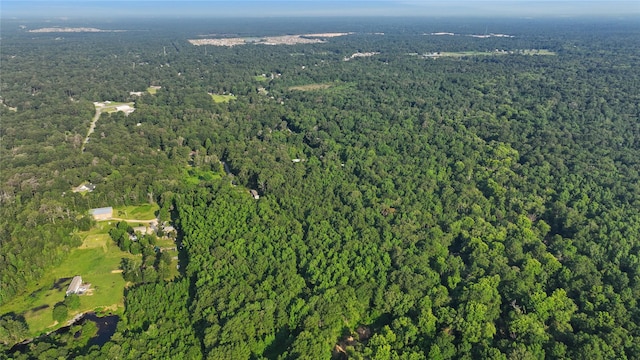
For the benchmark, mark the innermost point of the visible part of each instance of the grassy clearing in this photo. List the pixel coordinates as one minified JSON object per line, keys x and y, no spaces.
{"x":260,"y":78}
{"x":195,"y":175}
{"x":95,"y":261}
{"x":153,"y":89}
{"x":311,"y":87}
{"x":139,"y":212}
{"x":222,"y":98}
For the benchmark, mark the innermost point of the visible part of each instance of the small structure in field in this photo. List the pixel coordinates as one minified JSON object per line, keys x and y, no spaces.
{"x":75,"y":286}
{"x":104,"y":213}
{"x":254,"y":193}
{"x":85,"y":188}
{"x":142,"y":230}
{"x":126,"y":109}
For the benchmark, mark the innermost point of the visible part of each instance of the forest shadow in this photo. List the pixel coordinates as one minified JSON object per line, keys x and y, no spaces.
{"x":279,"y":344}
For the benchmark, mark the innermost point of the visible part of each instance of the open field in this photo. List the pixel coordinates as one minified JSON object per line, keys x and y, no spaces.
{"x":95,"y":260}
{"x":260,"y":78}
{"x":194,"y":175}
{"x":153,"y":89}
{"x":222,"y":98}
{"x":311,"y":87}
{"x":140,"y":212}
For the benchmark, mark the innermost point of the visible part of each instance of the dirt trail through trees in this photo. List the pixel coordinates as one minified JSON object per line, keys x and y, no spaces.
{"x":92,"y":126}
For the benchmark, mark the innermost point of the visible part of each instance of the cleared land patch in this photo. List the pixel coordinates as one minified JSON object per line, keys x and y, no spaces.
{"x":14,"y":109}
{"x":222,"y":98}
{"x":141,"y":212}
{"x":112,"y":106}
{"x":311,"y":87}
{"x":153,"y":89}
{"x":359,"y":54}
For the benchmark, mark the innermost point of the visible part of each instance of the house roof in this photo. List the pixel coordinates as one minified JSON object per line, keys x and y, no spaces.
{"x":101,"y":211}
{"x":75,"y":284}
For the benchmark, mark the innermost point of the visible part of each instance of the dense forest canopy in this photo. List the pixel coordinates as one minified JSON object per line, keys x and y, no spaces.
{"x":479,"y":202}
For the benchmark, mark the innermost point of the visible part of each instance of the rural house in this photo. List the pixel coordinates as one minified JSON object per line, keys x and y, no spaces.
{"x":142,"y":229}
{"x":85,"y":188}
{"x":75,"y":285}
{"x":104,"y":213}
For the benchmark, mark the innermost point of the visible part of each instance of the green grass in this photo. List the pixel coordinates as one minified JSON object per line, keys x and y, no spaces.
{"x":222,"y":98}
{"x":335,"y":88}
{"x":152,"y":90}
{"x":195,"y":175}
{"x":137,"y":212}
{"x":96,"y":260}
{"x":260,"y":78}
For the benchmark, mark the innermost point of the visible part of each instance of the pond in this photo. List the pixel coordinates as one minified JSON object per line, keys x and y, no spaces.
{"x":106,"y":327}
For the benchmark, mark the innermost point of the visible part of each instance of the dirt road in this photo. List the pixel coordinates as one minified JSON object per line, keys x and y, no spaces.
{"x":92,"y":126}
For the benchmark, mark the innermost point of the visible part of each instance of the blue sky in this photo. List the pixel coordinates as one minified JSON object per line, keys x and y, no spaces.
{"x":270,"y":8}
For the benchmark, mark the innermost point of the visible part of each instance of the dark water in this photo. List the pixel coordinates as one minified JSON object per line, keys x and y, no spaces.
{"x":106,"y":327}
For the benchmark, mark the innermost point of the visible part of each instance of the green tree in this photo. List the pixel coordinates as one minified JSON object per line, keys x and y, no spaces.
{"x":60,"y":312}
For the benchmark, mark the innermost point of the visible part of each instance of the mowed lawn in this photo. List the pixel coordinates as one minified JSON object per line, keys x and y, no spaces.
{"x":138,"y":212}
{"x":260,"y":78}
{"x":97,"y":260}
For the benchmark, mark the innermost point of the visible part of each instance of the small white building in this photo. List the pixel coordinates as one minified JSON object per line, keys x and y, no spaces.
{"x":74,"y":287}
